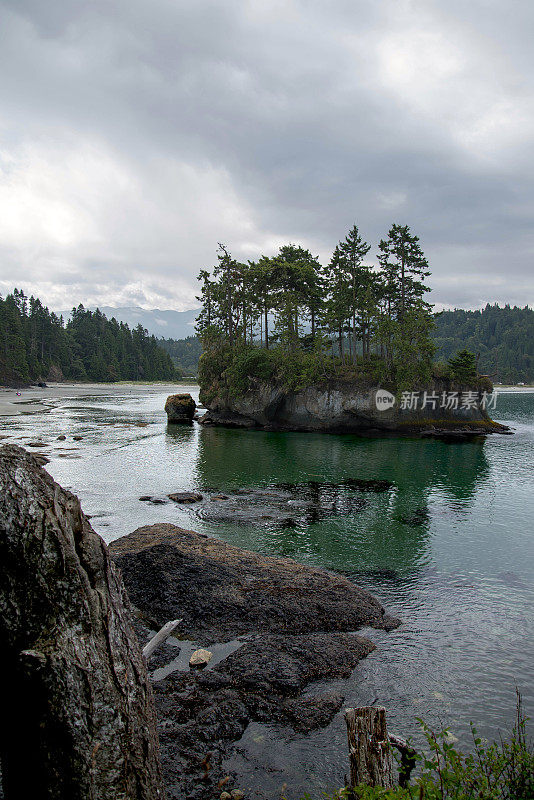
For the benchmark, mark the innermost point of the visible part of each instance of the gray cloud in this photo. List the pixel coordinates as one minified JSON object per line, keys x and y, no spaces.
{"x":134,"y":136}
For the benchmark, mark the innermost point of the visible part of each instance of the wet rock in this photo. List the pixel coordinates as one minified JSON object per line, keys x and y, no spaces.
{"x":200,"y":658}
{"x":219,"y":497}
{"x":297,"y":619}
{"x":61,"y":437}
{"x":145,"y":498}
{"x":225,"y":796}
{"x":185,"y":497}
{"x":306,"y":714}
{"x":237,"y":794}
{"x":285,"y":665}
{"x":36,"y":444}
{"x":77,"y":438}
{"x":221,"y":591}
{"x":180,"y":408}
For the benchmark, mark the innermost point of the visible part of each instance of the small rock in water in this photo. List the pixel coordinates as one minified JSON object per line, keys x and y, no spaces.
{"x":157,"y":501}
{"x":61,"y":437}
{"x":180,"y":408}
{"x":185,"y":497}
{"x":237,"y":794}
{"x":225,"y":796}
{"x":145,"y":497}
{"x":200,"y":658}
{"x":36,"y":444}
{"x":41,"y":459}
{"x":77,"y":438}
{"x":220,"y":497}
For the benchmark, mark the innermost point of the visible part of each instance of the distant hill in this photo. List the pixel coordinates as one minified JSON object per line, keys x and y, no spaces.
{"x":184,"y":353}
{"x":504,"y":337}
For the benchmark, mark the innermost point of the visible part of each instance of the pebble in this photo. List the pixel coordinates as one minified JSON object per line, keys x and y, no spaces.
{"x":200,"y":658}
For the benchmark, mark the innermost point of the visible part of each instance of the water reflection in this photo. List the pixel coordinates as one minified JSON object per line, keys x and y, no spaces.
{"x":390,"y":532}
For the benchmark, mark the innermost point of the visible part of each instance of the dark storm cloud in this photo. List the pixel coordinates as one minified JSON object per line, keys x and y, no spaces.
{"x":135,"y":135}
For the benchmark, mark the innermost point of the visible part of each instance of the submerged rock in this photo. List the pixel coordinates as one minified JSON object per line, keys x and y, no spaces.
{"x":180,"y":408}
{"x":185,"y":497}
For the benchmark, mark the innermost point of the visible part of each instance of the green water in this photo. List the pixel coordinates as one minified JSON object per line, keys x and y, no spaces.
{"x":462,"y":582}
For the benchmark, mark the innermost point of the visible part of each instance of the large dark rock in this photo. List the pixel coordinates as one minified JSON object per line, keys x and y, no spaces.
{"x":297,"y":622}
{"x":180,"y":408}
{"x":221,"y":591}
{"x":77,"y":707}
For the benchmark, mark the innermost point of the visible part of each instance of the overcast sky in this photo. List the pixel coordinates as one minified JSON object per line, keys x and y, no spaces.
{"x":136,"y":134}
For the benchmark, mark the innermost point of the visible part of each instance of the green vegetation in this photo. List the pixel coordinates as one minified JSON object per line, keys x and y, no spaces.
{"x":502,"y":770}
{"x":36,"y":345}
{"x":288,"y":318}
{"x":184,"y":353}
{"x":502,"y":337}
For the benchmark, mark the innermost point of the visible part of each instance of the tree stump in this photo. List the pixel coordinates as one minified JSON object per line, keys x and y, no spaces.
{"x":371,"y":762}
{"x":77,"y":708}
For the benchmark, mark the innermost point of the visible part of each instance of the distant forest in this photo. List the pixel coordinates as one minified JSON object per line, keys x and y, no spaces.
{"x":504,"y":338}
{"x":37,"y":345}
{"x":185,"y":353}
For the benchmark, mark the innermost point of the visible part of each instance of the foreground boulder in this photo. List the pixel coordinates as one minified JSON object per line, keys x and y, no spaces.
{"x":180,"y":408}
{"x":288,"y":627}
{"x":221,"y":591}
{"x":76,"y":692}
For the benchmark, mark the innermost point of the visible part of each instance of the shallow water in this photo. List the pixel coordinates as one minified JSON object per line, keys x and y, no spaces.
{"x":462,"y":580}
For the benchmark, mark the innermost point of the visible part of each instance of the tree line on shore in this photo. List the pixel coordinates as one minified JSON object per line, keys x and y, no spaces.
{"x":37,"y":345}
{"x":343,"y":317}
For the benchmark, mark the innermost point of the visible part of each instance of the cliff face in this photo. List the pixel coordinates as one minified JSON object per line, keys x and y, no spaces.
{"x":339,"y":407}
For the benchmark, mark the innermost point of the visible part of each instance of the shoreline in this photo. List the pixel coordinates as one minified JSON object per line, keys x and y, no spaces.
{"x":14,"y":402}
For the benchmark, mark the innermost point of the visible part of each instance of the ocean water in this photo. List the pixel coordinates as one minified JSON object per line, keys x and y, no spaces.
{"x":462,"y":579}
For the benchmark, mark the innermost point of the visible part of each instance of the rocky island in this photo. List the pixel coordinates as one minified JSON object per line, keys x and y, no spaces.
{"x":290,"y":345}
{"x":337,"y":406}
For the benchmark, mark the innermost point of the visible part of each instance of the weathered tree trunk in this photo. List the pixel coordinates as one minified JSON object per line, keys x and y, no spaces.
{"x":370,"y":757}
{"x":78,"y":716}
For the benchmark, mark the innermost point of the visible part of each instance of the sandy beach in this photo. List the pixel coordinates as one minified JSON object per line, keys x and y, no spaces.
{"x":35,"y":399}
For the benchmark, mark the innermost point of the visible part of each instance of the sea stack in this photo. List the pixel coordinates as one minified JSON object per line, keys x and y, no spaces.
{"x":180,"y":409}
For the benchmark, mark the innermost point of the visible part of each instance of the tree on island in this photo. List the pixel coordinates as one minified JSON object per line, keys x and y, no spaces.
{"x":287,"y":315}
{"x":463,"y":366}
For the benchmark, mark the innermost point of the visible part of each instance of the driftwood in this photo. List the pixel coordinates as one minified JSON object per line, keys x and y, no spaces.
{"x":161,"y":636}
{"x":371,"y":762}
{"x":408,"y":758}
{"x":78,"y":716}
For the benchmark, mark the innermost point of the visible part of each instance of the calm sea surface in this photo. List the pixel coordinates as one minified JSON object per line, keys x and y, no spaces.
{"x":462,"y":581}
